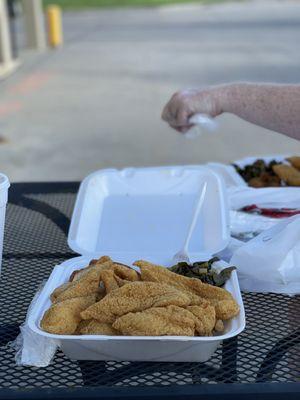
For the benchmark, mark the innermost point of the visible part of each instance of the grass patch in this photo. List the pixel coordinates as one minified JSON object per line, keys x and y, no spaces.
{"x":81,"y":4}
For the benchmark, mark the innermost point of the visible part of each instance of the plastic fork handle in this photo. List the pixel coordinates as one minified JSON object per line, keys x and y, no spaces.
{"x":195,"y":216}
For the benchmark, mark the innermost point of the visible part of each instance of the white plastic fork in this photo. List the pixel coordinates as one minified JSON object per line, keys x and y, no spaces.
{"x":182,"y":255}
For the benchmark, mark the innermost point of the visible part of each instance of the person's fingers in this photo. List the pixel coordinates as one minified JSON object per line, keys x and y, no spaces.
{"x":169,"y":113}
{"x":177,"y":128}
{"x":182,"y":117}
{"x":181,"y":129}
{"x":184,"y":129}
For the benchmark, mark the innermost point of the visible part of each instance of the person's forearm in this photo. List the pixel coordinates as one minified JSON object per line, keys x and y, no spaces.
{"x":275,"y":107}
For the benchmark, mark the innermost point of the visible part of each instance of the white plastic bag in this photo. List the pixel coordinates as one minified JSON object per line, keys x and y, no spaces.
{"x":271,"y":261}
{"x":245,"y":226}
{"x":32,"y":349}
{"x":284,"y":197}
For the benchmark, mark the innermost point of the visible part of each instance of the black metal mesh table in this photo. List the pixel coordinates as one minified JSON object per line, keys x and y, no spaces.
{"x":263,"y":362}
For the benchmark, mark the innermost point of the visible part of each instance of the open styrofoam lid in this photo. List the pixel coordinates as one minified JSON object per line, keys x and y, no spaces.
{"x":146,"y":212}
{"x":4,"y":185}
{"x":4,"y":182}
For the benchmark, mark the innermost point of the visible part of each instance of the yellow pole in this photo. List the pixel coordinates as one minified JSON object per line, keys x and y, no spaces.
{"x":54,"y":22}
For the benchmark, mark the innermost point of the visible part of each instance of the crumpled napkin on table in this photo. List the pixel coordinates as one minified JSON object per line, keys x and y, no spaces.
{"x":32,"y":349}
{"x":201,"y":122}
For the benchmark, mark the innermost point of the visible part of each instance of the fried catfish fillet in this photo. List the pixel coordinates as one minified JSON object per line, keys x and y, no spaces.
{"x":118,"y":276}
{"x":135,"y":296}
{"x":219,"y":327}
{"x":226,"y":306}
{"x":126,"y":273}
{"x":79,"y":273}
{"x":121,"y":282}
{"x":58,"y":291}
{"x":205,"y":319}
{"x":109,"y":281}
{"x":225,"y":309}
{"x":94,"y":327}
{"x":63,"y":318}
{"x":288,"y":174}
{"x":157,"y":321}
{"x":295,"y":161}
{"x":87,"y":284}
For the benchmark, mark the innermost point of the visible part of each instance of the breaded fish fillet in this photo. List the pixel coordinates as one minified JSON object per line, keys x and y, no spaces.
{"x":63,"y":318}
{"x":135,"y":296}
{"x":295,"y":161}
{"x":79,"y":273}
{"x":219,"y":326}
{"x":216,"y":295}
{"x":58,"y":291}
{"x":125,"y":272}
{"x":121,"y":282}
{"x":288,"y":174}
{"x":87,"y":284}
{"x":109,"y":281}
{"x":94,"y":327}
{"x":157,"y":321}
{"x":205,"y":319}
{"x":225,"y":309}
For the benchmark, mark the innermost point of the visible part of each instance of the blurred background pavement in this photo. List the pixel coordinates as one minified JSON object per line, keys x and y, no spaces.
{"x":96,"y":102}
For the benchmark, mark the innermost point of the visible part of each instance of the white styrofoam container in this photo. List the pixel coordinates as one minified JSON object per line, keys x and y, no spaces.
{"x":228,"y":173}
{"x":143,"y":213}
{"x":250,"y":160}
{"x":4,"y":185}
{"x":128,"y":348}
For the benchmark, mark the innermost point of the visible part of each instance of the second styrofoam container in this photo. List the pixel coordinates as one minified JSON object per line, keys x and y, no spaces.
{"x":228,"y":174}
{"x":232,"y":178}
{"x":4,"y":185}
{"x":135,"y":214}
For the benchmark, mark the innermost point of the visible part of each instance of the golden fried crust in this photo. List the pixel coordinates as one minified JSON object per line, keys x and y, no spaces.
{"x":197,"y":300}
{"x":295,"y":161}
{"x":109,"y":281}
{"x":87,"y":284}
{"x":256,"y":182}
{"x":121,"y":282}
{"x":94,"y":327}
{"x":63,"y":318}
{"x":205,"y":319}
{"x":133,"y":297}
{"x":126,"y":273}
{"x":100,"y":294}
{"x":219,"y":327}
{"x":226,"y":309}
{"x":288,"y":174}
{"x":214,"y":294}
{"x":156,"y":273}
{"x":158,"y":321}
{"x":58,"y":291}
{"x":79,"y":273}
{"x":55,"y":296}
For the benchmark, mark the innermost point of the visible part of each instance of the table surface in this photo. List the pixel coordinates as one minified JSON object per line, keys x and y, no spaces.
{"x":263,"y":361}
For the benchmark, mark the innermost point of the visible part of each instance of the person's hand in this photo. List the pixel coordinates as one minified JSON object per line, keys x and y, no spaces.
{"x":186,"y":103}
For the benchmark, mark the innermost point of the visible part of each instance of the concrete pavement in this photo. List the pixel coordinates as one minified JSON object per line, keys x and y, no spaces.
{"x":96,"y":102}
